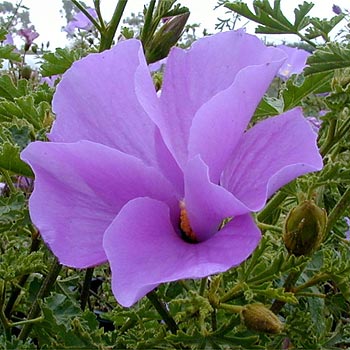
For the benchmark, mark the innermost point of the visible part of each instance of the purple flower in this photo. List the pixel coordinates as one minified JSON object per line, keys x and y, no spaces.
{"x":50,"y":81}
{"x":8,"y":39}
{"x":80,"y":21}
{"x":336,"y":9}
{"x":29,"y":36}
{"x":295,"y":63}
{"x":146,"y":182}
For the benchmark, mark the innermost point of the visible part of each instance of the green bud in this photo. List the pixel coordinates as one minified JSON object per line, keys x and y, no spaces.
{"x":26,"y":72}
{"x":304,"y":228}
{"x":259,"y":318}
{"x":166,"y":37}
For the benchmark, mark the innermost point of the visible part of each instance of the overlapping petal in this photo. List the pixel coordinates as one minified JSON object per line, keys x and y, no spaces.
{"x":79,"y":189}
{"x":218,"y":125}
{"x":105,"y":107}
{"x":193,"y":77}
{"x":207,"y":204}
{"x":270,"y":155}
{"x":144,"y":250}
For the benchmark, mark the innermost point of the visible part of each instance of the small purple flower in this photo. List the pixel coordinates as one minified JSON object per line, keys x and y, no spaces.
{"x":336,"y":9}
{"x":29,"y":36}
{"x":80,"y":21}
{"x":295,"y":63}
{"x":50,"y":81}
{"x":8,"y":39}
{"x":146,"y":182}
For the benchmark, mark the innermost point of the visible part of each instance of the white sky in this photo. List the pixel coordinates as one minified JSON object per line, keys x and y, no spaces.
{"x":45,"y":14}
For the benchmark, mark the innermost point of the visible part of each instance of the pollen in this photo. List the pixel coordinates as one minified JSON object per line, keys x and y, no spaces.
{"x":189,"y":234}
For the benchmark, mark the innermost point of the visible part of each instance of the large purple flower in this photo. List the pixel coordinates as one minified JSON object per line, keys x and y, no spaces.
{"x":145,"y":182}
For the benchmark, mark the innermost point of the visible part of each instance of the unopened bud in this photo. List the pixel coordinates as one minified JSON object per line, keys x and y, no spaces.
{"x":26,"y":72}
{"x":166,"y":37}
{"x":304,"y":228}
{"x":259,"y":318}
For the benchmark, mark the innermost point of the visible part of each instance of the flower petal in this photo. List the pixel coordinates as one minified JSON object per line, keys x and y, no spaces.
{"x":79,"y":189}
{"x":98,"y":100}
{"x":144,"y":250}
{"x":219,"y":124}
{"x":270,"y":155}
{"x":207,"y":204}
{"x":193,"y":77}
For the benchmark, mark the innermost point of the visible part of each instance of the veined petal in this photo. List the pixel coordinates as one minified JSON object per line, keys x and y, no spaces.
{"x":79,"y":189}
{"x":207,"y":204}
{"x":98,"y":100}
{"x":219,"y":124}
{"x":144,"y":250}
{"x":269,"y":155}
{"x":193,"y":77}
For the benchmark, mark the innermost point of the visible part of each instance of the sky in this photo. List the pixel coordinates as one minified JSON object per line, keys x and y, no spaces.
{"x":45,"y":15}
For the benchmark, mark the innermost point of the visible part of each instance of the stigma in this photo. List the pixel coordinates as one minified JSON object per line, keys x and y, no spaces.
{"x":185,"y":227}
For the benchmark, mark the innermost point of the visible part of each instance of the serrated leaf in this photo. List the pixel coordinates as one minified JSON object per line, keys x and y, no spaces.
{"x":266,"y":108}
{"x":9,"y":90}
{"x":59,"y":61}
{"x":316,"y":83}
{"x":328,"y":58}
{"x":301,"y":20}
{"x":7,"y":53}
{"x":10,"y":160}
{"x":12,"y":211}
{"x":322,"y":27}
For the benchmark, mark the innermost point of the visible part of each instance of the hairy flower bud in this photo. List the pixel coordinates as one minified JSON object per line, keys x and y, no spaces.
{"x":166,"y":37}
{"x":304,"y":228}
{"x":258,"y":317}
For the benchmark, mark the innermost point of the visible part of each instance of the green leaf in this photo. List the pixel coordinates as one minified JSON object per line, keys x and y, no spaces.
{"x":301,"y":20}
{"x":267,"y":107}
{"x":10,"y":160}
{"x":294,"y":93}
{"x":9,"y":90}
{"x":322,"y":27}
{"x":7,"y":52}
{"x":59,"y":61}
{"x":328,"y":58}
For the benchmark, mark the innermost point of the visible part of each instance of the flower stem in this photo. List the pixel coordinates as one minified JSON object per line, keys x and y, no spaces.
{"x":42,"y":293}
{"x":8,"y":180}
{"x":272,"y":205}
{"x":203,"y":286}
{"x":288,"y":286}
{"x":314,"y":280}
{"x":108,"y":35}
{"x":3,"y":319}
{"x":163,"y":312}
{"x":236,"y":309}
{"x":232,"y":292}
{"x":267,"y":227}
{"x":17,"y":289}
{"x":84,"y":296}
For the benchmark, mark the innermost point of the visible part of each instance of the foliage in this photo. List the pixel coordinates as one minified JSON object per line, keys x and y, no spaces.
{"x":44,"y":305}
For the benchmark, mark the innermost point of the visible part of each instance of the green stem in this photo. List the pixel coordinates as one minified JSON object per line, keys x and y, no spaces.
{"x":337,"y":211}
{"x":236,"y":309}
{"x":163,"y":312}
{"x":84,"y":296}
{"x":8,"y":180}
{"x":272,"y":205}
{"x":99,"y":15}
{"x":108,"y":35}
{"x":42,"y":293}
{"x":203,"y":286}
{"x":288,"y":286}
{"x":3,"y":319}
{"x":232,"y":292}
{"x":87,"y":14}
{"x":327,"y":145}
{"x":17,"y":289}
{"x":267,"y":227}
{"x":148,"y":22}
{"x":313,"y":281}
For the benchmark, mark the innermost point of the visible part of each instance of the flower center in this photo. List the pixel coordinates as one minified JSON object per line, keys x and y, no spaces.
{"x":188,"y":234}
